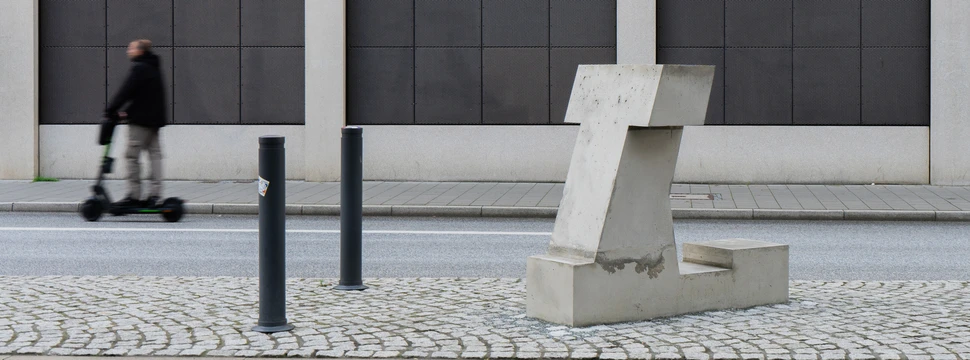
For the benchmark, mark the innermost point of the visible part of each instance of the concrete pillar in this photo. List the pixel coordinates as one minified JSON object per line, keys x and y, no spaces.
{"x":949,"y":80}
{"x":636,"y":31}
{"x":326,"y":96}
{"x":19,"y":69}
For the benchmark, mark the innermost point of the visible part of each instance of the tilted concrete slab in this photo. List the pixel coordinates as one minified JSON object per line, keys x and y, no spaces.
{"x":612,"y":257}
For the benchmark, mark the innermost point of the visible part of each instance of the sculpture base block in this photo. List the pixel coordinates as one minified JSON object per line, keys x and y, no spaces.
{"x":720,"y":274}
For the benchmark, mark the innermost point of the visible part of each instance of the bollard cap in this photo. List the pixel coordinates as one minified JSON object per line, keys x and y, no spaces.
{"x":272,"y":140}
{"x":352,"y":130}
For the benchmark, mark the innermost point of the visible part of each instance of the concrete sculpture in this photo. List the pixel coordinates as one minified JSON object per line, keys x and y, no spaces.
{"x":612,"y":257}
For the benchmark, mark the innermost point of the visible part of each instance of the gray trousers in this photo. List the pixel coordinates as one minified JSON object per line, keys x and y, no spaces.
{"x":142,"y":138}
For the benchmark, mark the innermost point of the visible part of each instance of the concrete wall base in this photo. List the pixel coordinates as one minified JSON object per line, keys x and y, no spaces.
{"x":190,"y":152}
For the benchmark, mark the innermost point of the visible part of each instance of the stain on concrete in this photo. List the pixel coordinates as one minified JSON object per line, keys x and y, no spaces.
{"x":652,"y":265}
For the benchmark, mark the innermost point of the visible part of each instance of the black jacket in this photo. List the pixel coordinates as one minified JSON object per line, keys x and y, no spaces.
{"x":146,"y":92}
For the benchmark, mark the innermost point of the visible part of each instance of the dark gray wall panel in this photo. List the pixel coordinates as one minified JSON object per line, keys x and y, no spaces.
{"x":140,"y":19}
{"x":715,"y":106}
{"x":759,"y":86}
{"x":272,"y":86}
{"x":563,"y":65}
{"x":272,"y":22}
{"x":72,"y":22}
{"x":827,"y":23}
{"x":895,"y":22}
{"x":380,"y":86}
{"x":758,"y":23}
{"x":119,"y":66}
{"x":72,"y":85}
{"x":207,"y":86}
{"x":448,"y":87}
{"x":516,"y":86}
{"x":448,"y":22}
{"x":826,"y":87}
{"x":583,"y":22}
{"x":895,"y":86}
{"x":380,"y":22}
{"x":206,"y":22}
{"x":690,"y":23}
{"x":515,"y":22}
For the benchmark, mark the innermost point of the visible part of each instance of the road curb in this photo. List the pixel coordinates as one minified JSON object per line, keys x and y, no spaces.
{"x":519,"y":212}
{"x":532,"y":212}
{"x":890,"y":215}
{"x":46,"y":206}
{"x":449,"y":211}
{"x":953,"y":216}
{"x":774,"y":214}
{"x":713,"y":214}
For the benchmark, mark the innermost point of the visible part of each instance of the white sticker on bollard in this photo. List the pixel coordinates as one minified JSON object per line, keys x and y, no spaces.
{"x":263,"y":186}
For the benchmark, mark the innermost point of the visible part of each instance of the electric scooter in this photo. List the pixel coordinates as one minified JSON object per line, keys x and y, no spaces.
{"x":171,"y":209}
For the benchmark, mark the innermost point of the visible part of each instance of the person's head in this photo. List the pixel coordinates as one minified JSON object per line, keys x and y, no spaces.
{"x":138,"y":47}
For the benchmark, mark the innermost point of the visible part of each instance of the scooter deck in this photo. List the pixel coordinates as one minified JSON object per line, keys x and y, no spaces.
{"x":141,"y":210}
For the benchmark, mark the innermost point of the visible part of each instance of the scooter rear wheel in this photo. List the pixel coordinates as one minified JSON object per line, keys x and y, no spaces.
{"x":92,"y":209}
{"x":172,"y":210}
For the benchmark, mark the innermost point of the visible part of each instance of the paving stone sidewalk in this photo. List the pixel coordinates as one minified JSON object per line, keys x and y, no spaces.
{"x":826,"y":202}
{"x":467,"y":318}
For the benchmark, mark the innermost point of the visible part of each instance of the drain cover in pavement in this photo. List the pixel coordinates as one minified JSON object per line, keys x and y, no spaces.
{"x":692,"y":196}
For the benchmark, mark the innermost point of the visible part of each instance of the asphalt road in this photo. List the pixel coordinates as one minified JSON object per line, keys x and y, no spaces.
{"x":213,"y":245}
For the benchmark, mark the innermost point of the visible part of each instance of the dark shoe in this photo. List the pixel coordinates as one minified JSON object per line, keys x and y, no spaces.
{"x":151,"y":202}
{"x":127,"y":202}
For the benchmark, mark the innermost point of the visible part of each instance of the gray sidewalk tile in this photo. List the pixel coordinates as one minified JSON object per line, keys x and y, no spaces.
{"x":331,"y":189}
{"x":910,"y":197}
{"x":724,"y":204}
{"x":947,"y":195}
{"x":473,"y":194}
{"x":333,"y":197}
{"x":938,"y":202}
{"x":890,"y":198}
{"x":452,"y":194}
{"x":763,"y":197}
{"x":868,"y":197}
{"x":299,"y":191}
{"x":316,"y":193}
{"x":701,"y":204}
{"x":723,"y":190}
{"x":379,"y":189}
{"x":784,"y":197}
{"x":554,"y":197}
{"x":426,"y":197}
{"x":805,"y":198}
{"x":743,"y":199}
{"x":847,"y":198}
{"x":493,"y":194}
{"x":963,"y":193}
{"x":386,"y":196}
{"x":534,"y":196}
{"x":410,"y":194}
{"x":680,"y":189}
{"x":514,"y":195}
{"x":700,"y":189}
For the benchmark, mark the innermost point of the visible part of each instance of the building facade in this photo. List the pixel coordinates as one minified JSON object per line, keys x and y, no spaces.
{"x":806,"y":91}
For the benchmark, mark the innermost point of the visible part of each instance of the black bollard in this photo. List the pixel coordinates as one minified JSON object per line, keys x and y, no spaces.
{"x":272,"y":236}
{"x":351,"y":208}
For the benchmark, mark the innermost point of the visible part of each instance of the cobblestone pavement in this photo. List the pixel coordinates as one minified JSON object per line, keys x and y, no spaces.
{"x":467,"y":318}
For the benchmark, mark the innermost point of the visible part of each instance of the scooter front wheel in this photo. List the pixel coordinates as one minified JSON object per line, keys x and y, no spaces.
{"x":92,"y":209}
